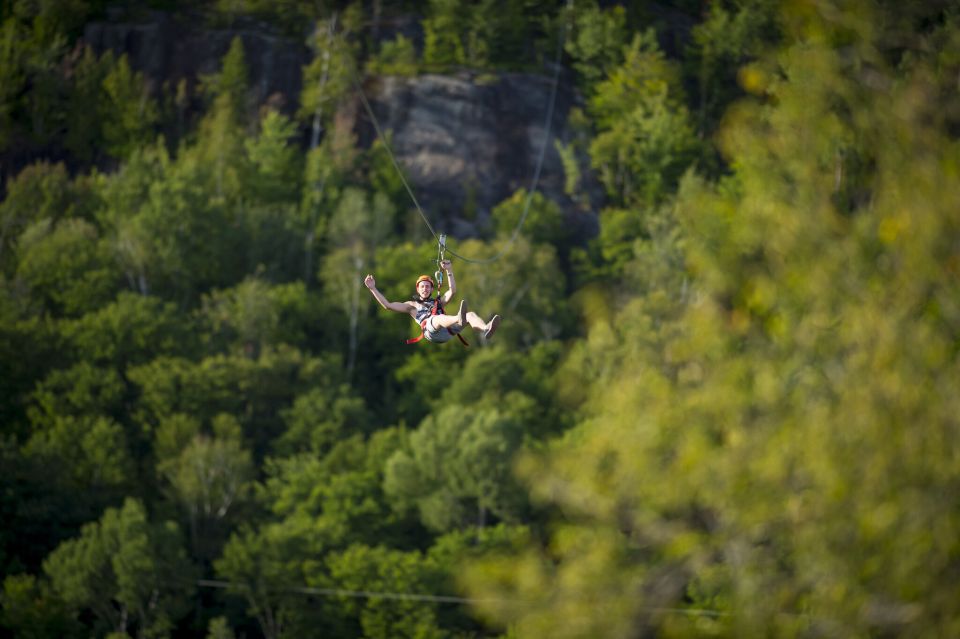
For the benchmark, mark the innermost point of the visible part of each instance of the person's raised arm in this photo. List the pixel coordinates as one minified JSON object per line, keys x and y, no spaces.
{"x":398,"y":307}
{"x":451,"y":283}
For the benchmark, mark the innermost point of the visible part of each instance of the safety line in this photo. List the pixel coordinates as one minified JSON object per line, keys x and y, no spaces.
{"x":400,"y":596}
{"x":383,"y":139}
{"x":356,"y":594}
{"x":548,"y":125}
{"x":536,"y":175}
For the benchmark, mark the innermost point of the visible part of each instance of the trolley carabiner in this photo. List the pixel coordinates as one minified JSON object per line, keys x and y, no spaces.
{"x":438,"y":276}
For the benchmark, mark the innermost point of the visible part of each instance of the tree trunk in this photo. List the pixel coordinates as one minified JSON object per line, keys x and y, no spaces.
{"x":354,"y":317}
{"x":314,"y":142}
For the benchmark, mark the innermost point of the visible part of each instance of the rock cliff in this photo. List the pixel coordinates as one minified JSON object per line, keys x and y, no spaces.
{"x":168,"y":50}
{"x":466,"y":145}
{"x":465,"y":142}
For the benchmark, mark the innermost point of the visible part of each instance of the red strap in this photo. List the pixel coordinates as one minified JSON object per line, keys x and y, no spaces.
{"x":423,"y":327}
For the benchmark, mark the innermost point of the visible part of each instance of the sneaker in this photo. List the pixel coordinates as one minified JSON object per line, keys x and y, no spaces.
{"x":462,"y":314}
{"x":491,"y":326}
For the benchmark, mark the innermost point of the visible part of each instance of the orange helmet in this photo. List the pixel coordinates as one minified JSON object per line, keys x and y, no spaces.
{"x":425,"y":278}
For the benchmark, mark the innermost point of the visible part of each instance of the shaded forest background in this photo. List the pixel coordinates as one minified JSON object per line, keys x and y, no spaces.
{"x":732,"y":412}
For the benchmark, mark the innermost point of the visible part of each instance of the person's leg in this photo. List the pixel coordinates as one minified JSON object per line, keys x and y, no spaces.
{"x":491,"y":327}
{"x":447,"y":321}
{"x":477,"y":324}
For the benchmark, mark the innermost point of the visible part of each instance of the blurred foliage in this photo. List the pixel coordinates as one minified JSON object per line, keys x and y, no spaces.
{"x":779,"y":458}
{"x":731,"y":35}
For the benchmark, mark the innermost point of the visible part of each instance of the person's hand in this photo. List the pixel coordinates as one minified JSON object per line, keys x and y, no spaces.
{"x":369,"y":282}
{"x":445,"y":265}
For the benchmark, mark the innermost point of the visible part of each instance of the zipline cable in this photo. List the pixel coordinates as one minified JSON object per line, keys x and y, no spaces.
{"x":383,"y":140}
{"x":356,"y":594}
{"x":426,"y":598}
{"x":536,"y":174}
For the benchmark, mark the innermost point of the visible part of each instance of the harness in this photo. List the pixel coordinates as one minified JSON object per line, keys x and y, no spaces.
{"x":423,"y":315}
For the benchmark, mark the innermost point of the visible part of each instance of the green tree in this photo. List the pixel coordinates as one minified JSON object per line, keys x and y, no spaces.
{"x":219,"y":628}
{"x":728,"y":38}
{"x":35,"y":72}
{"x":41,"y":191}
{"x":596,"y":44}
{"x":543,"y":223}
{"x":626,"y":234}
{"x":289,"y":15}
{"x":442,"y":35}
{"x":30,"y":348}
{"x":327,"y":79}
{"x":50,"y":21}
{"x":379,"y":569}
{"x":32,"y":611}
{"x":396,"y":57}
{"x":355,"y":229}
{"x":341,"y":493}
{"x":79,"y":390}
{"x":231,"y":84}
{"x":186,"y":228}
{"x":517,"y":382}
{"x":456,"y":470}
{"x":12,"y":75}
{"x":263,"y":565}
{"x":219,"y":157}
{"x":525,"y":285}
{"x":500,"y":33}
{"x":88,"y":106}
{"x":330,"y":75}
{"x":272,"y":191}
{"x":123,"y":220}
{"x":90,"y":451}
{"x":42,"y":105}
{"x":321,"y":417}
{"x":209,"y":477}
{"x":275,"y":161}
{"x":254,"y":315}
{"x":384,"y":178}
{"x":254,"y":391}
{"x":326,"y":173}
{"x":317,"y":505}
{"x":66,"y":266}
{"x":129,"y":114}
{"x":133,"y":575}
{"x":131,"y":330}
{"x":645,"y":141}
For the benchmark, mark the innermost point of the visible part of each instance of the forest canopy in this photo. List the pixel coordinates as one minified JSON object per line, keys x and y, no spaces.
{"x":732,"y":411}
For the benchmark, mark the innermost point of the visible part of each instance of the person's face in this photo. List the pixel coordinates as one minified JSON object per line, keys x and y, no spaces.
{"x":424,"y":288}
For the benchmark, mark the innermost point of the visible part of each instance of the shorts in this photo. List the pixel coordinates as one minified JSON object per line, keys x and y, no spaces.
{"x":438,"y":335}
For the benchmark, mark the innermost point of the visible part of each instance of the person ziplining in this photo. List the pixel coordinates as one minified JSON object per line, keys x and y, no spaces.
{"x":436,"y":326}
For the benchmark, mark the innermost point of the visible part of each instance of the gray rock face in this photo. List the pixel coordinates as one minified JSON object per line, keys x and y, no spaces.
{"x":168,"y":50}
{"x":466,"y":144}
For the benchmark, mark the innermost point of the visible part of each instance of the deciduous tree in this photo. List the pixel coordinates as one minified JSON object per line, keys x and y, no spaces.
{"x":133,"y":575}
